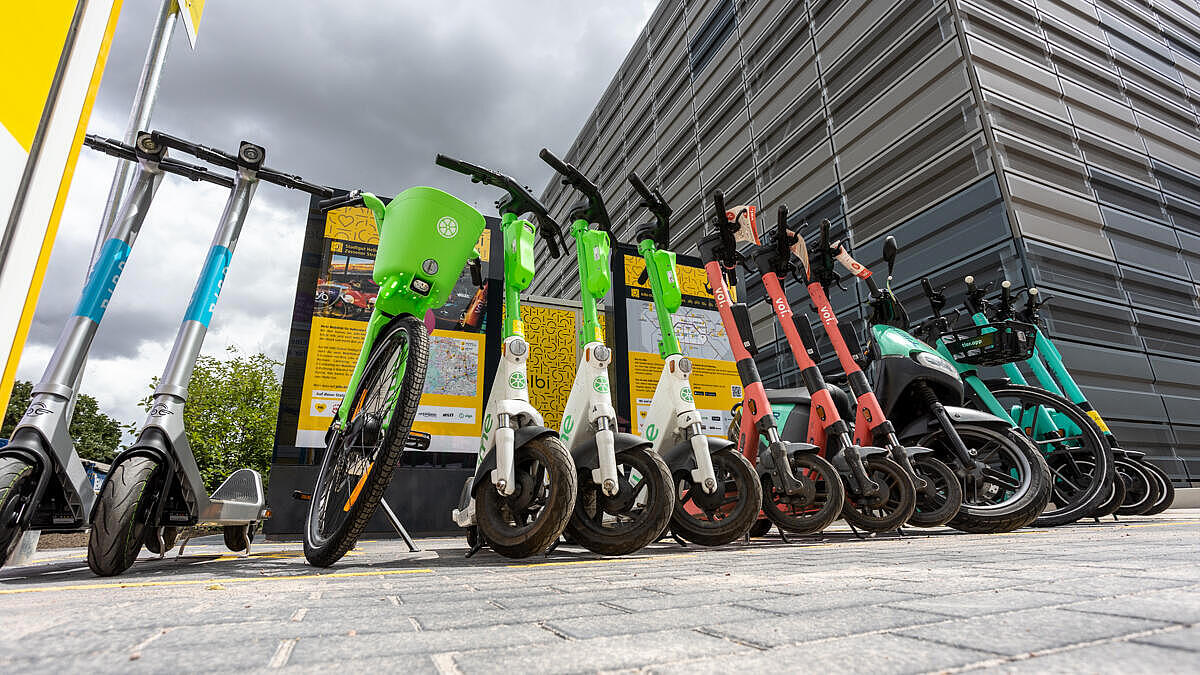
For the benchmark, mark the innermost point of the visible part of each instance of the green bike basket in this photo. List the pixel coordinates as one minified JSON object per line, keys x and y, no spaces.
{"x":664,"y":265}
{"x":427,"y":234}
{"x":599,"y":276}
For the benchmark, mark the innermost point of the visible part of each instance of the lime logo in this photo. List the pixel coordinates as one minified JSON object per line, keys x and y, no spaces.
{"x":447,"y":227}
{"x":517,"y":380}
{"x":686,"y":394}
{"x":600,"y":384}
{"x":651,"y":432}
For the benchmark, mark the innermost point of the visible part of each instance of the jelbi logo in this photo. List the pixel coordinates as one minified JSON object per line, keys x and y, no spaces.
{"x":447,"y":227}
{"x":517,"y":380}
{"x":600,"y":384}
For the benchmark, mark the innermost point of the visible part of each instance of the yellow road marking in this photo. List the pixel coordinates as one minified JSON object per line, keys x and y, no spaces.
{"x":600,"y":560}
{"x":194,"y":582}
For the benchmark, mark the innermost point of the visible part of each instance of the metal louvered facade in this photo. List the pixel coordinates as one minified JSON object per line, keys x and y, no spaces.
{"x":1055,"y":142}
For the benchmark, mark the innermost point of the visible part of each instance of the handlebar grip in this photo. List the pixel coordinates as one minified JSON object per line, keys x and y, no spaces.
{"x":719,"y":209}
{"x":551,"y":236}
{"x":824,"y":235}
{"x":476,"y":272}
{"x":927,"y":287}
{"x":352,"y":199}
{"x":641,"y":188}
{"x":971,"y":287}
{"x":554,"y":162}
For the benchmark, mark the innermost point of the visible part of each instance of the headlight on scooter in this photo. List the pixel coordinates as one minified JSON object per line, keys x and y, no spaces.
{"x":935,"y":362}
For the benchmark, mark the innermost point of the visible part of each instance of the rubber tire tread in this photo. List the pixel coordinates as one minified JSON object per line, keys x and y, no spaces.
{"x":1153,"y":490}
{"x":1035,"y":499}
{"x":610,"y":546}
{"x":828,"y":514}
{"x":731,"y":529}
{"x":233,"y":537}
{"x":381,"y":475}
{"x":761,"y":526}
{"x":564,"y":484}
{"x":1168,"y":490}
{"x":116,"y":536}
{"x":927,"y":465}
{"x":13,"y":472}
{"x":1112,"y":498}
{"x":908,"y":498}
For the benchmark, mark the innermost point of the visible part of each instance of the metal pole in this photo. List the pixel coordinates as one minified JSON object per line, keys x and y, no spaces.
{"x":139,"y":114}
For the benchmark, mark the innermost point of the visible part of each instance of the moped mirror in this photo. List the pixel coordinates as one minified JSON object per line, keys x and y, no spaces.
{"x":890,"y":249}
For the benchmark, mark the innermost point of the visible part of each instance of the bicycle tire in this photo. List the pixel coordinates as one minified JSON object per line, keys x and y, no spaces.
{"x":1074,"y":501}
{"x":1166,"y":487}
{"x":1114,"y":496}
{"x":1143,"y":491}
{"x":323,"y":550}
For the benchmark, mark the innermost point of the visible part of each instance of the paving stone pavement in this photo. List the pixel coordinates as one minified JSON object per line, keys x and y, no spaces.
{"x":1093,"y":597}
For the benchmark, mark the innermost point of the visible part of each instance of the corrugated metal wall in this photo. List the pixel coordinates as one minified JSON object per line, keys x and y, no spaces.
{"x":1064,"y":146}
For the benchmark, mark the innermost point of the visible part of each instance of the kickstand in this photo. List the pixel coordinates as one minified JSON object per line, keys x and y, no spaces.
{"x":480,"y":542}
{"x":1097,"y":519}
{"x":746,"y":537}
{"x":855,"y":531}
{"x":187,"y":536}
{"x":552,"y":547}
{"x":1116,"y":519}
{"x":677,"y":539}
{"x":162,"y":552}
{"x":783,"y":536}
{"x":246,"y":541}
{"x":900,"y":531}
{"x":399,"y":527}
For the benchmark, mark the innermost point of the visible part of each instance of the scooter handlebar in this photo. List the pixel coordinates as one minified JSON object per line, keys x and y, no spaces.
{"x":354,"y":198}
{"x":596,"y":211}
{"x":293,"y":182}
{"x":653,"y":200}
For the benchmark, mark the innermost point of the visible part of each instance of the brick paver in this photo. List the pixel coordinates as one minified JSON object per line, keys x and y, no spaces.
{"x":1109,"y":597}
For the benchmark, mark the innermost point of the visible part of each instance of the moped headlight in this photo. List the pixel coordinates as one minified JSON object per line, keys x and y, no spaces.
{"x":935,"y":362}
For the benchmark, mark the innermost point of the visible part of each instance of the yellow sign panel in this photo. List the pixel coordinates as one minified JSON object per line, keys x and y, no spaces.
{"x":190,"y":11}
{"x":31,"y":44}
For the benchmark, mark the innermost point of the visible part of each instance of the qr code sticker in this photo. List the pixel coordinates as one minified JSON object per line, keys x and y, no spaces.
{"x":735,"y":391}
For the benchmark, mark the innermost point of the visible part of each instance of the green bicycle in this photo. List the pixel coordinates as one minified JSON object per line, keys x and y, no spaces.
{"x":426,"y":238}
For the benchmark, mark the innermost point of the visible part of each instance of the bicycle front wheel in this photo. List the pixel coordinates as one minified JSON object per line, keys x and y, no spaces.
{"x":359,"y":461}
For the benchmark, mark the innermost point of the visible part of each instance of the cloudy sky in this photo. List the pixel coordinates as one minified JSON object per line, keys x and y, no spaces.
{"x":349,"y":94}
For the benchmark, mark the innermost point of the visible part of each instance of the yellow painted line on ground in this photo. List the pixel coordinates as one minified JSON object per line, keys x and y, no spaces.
{"x":1178,"y":522}
{"x":600,"y":560}
{"x":212,"y":581}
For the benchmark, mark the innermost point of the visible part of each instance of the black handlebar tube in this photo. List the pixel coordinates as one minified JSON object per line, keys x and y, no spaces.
{"x":654,"y":202}
{"x":354,"y":198}
{"x":520,"y":201}
{"x":595,"y":211}
{"x":976,"y":297}
{"x":250,"y":156}
{"x":155,"y":153}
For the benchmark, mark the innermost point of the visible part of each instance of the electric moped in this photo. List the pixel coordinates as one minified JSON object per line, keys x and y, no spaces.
{"x":43,"y":486}
{"x":524,"y":488}
{"x":625,"y":495}
{"x":717,"y":491}
{"x":802,"y":492}
{"x":155,"y":487}
{"x":880,"y":494}
{"x":1005,"y":481}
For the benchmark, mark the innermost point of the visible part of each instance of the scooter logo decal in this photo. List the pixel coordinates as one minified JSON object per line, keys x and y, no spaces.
{"x":160,"y":410}
{"x":867,"y":415}
{"x":447,"y":227}
{"x":567,"y":428}
{"x":821,"y":413}
{"x":600,"y":384}
{"x":651,"y":432}
{"x":686,"y":394}
{"x":38,"y":408}
{"x":517,"y":380}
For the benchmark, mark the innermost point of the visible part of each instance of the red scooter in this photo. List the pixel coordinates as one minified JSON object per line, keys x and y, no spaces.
{"x":802,"y":493}
{"x":880,"y":495}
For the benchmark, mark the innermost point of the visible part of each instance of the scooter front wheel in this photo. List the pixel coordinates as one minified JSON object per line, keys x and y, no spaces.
{"x":713,"y":519}
{"x":15,"y":484}
{"x":117,"y":530}
{"x":939,"y":502}
{"x":891,"y":506}
{"x":532,"y":518}
{"x":630,"y":519}
{"x":817,"y":505}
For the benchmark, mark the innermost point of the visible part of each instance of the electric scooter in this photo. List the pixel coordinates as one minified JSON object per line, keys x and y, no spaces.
{"x":524,"y":488}
{"x":939,"y":494}
{"x":625,"y":494}
{"x":802,"y":492}
{"x":1147,"y":488}
{"x":43,"y":486}
{"x":880,"y":495}
{"x":155,"y":487}
{"x":717,"y":491}
{"x":1080,"y":462}
{"x":1005,"y":481}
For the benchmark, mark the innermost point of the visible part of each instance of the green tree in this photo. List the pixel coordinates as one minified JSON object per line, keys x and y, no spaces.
{"x":230,"y":414}
{"x":96,"y":435}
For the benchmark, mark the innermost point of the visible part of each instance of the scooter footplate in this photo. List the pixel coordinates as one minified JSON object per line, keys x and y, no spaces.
{"x":243,"y":485}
